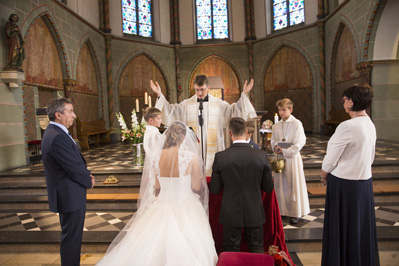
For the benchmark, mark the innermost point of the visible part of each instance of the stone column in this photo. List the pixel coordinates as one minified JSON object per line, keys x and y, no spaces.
{"x":174,"y":22}
{"x":105,"y":25}
{"x":110,"y":90}
{"x":249,"y":20}
{"x":250,"y":36}
{"x":365,"y":69}
{"x":178,"y":83}
{"x":69,"y":87}
{"x":251,"y":66}
{"x":322,"y":90}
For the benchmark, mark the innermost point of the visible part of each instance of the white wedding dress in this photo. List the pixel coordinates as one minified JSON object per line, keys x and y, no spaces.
{"x":173,"y":229}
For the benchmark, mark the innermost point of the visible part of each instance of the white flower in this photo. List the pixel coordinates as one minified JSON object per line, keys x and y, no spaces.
{"x":135,"y":122}
{"x":121,"y":121}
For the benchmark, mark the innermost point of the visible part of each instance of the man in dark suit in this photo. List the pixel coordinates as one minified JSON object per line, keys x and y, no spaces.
{"x":67,"y":178}
{"x":241,"y":172}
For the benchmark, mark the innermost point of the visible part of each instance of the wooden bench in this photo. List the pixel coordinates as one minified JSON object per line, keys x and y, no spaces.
{"x":336,"y":117}
{"x":96,"y":129}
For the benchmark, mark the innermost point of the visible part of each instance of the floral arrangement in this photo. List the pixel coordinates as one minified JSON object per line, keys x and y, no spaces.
{"x":267,"y":124}
{"x":134,"y":135}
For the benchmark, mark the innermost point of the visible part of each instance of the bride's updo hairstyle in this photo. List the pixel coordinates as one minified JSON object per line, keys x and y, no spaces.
{"x":174,"y":134}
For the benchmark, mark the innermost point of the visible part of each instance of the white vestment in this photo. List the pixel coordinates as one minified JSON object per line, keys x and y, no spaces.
{"x":290,"y":184}
{"x":216,"y":113}
{"x":151,"y":138}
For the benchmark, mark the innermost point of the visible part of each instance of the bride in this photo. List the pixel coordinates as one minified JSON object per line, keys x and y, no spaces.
{"x":171,"y":225}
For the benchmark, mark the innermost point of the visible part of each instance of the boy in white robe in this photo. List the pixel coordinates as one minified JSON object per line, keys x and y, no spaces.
{"x":288,"y":138}
{"x":153,"y":117}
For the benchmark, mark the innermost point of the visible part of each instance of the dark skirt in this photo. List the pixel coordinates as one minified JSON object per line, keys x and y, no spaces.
{"x":349,"y":232}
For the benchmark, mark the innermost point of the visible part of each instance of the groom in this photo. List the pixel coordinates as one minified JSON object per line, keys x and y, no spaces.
{"x":241,"y":172}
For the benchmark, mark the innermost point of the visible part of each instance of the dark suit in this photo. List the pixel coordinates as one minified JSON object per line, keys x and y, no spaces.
{"x":67,"y":179}
{"x":241,"y":172}
{"x":253,"y":144}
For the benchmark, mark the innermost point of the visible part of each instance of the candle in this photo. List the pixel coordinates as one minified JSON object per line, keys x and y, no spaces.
{"x":137,"y":105}
{"x":149,"y":101}
{"x":145,"y":98}
{"x":275,"y":118}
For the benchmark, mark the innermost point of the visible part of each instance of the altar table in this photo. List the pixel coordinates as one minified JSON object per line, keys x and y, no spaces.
{"x":273,"y":232}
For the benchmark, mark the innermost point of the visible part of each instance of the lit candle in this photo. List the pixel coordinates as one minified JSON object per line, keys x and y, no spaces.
{"x":137,"y":105}
{"x":145,"y":98}
{"x":149,"y":101}
{"x":275,"y":118}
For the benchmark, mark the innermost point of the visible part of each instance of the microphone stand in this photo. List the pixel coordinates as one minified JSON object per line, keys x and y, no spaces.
{"x":201,"y":123}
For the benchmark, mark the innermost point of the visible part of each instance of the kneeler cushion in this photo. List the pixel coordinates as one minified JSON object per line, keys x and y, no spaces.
{"x":244,"y":259}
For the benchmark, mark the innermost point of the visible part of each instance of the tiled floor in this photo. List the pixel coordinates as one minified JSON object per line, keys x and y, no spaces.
{"x":115,"y":158}
{"x":115,"y":221}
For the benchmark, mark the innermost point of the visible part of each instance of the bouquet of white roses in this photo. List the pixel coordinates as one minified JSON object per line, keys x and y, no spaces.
{"x":135,"y":134}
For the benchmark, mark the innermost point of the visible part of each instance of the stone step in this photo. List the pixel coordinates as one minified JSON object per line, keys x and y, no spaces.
{"x":297,"y":240}
{"x":95,"y":202}
{"x":381,"y":199}
{"x":310,"y":239}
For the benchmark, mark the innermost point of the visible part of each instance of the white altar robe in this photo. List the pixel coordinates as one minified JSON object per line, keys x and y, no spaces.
{"x":290,"y":184}
{"x":151,"y":138}
{"x":180,"y":111}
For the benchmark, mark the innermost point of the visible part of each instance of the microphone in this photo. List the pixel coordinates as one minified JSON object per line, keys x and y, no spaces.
{"x":201,"y":104}
{"x":201,"y":107}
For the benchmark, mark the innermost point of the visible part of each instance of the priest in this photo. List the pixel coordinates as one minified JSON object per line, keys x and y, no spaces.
{"x":216,"y":114}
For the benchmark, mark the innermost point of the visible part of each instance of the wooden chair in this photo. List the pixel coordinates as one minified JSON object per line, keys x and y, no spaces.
{"x":95,"y":129}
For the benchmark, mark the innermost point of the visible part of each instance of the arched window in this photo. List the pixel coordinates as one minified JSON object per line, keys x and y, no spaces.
{"x":288,"y":13}
{"x":212,"y":19}
{"x":137,"y":17}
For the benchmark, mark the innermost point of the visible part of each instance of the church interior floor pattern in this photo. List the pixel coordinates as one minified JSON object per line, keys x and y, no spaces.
{"x":116,"y":158}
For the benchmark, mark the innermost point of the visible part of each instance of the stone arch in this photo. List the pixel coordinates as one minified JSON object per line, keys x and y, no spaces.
{"x":379,"y":42}
{"x":153,"y":58}
{"x":44,"y":12}
{"x":343,"y":24}
{"x":88,"y":40}
{"x":269,"y":57}
{"x":371,"y":30}
{"x":204,"y":57}
{"x":125,"y":104}
{"x":310,"y":125}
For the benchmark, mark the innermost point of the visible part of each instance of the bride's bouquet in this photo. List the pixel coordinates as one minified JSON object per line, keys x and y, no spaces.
{"x":135,"y":134}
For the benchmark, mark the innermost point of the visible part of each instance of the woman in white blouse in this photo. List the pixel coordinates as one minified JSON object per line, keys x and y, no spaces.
{"x":349,"y":232}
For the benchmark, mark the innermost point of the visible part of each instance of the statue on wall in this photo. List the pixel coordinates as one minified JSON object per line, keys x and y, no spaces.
{"x":15,"y":44}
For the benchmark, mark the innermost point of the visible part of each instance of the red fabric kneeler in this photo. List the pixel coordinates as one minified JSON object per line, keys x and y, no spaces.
{"x":244,"y":259}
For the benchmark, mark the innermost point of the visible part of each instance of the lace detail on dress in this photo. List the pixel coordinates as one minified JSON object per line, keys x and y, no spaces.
{"x":185,"y":157}
{"x":155,"y":161}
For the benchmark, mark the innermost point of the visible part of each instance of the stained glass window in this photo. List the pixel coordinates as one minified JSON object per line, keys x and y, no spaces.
{"x":137,"y":17}
{"x":212,"y":19}
{"x":288,"y":13}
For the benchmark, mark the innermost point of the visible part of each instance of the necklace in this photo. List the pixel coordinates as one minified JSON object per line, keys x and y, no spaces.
{"x":284,"y":131}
